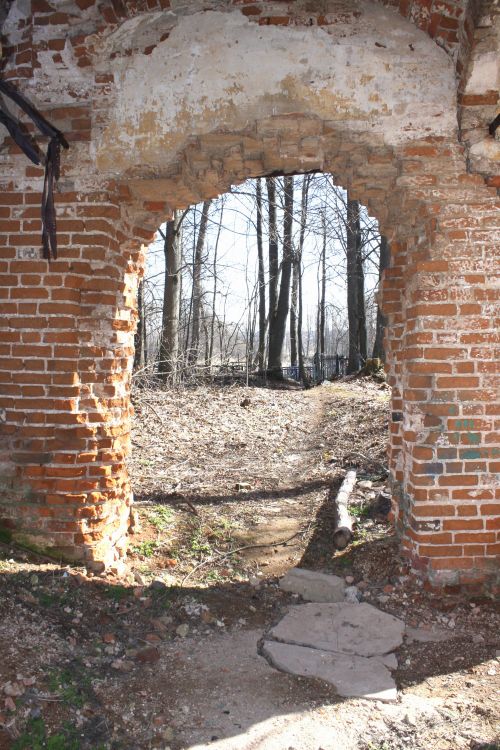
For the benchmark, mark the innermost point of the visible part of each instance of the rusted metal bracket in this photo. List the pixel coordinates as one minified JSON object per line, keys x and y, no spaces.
{"x":29,"y":147}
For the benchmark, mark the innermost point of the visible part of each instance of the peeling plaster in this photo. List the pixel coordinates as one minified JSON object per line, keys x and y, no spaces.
{"x":484,"y":67}
{"x":219,"y":71}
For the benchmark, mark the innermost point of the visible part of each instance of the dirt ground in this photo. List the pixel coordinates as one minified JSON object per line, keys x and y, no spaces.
{"x":235,"y":485}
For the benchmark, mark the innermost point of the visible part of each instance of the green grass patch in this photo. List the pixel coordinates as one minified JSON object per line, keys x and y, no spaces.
{"x":36,"y":737}
{"x":145,"y":548}
{"x":72,"y":686}
{"x":161,"y":518}
{"x":359,"y":511}
{"x":206,"y":538}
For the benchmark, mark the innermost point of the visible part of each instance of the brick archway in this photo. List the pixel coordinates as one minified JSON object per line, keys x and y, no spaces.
{"x":70,"y":325}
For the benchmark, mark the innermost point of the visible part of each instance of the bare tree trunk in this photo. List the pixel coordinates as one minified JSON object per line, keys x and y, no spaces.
{"x":189,"y":311}
{"x":250,"y":329}
{"x":169,"y":340}
{"x":318,"y":326}
{"x":277,"y":331}
{"x":273,"y":249}
{"x":252,"y":318}
{"x":352,"y":284}
{"x":384,"y":260}
{"x":197,"y":288}
{"x":207,"y":339}
{"x":293,"y":311}
{"x":144,"y":332}
{"x":322,"y":308}
{"x":360,"y":280}
{"x":138,"y":338}
{"x":303,"y":218}
{"x":261,"y":278}
{"x":214,"y":296}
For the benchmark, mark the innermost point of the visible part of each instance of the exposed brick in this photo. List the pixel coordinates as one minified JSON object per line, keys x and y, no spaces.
{"x":440,"y":550}
{"x":438,"y":296}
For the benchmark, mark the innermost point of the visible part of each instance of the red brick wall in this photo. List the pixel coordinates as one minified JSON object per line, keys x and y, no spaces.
{"x":64,"y":373}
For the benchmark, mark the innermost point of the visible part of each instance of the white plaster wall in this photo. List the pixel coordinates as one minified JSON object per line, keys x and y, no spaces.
{"x":372,"y":73}
{"x":484,"y":67}
{"x":483,"y":76}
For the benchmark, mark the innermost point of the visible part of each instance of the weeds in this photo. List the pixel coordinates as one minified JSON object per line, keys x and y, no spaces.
{"x":205,"y":536}
{"x":35,"y":737}
{"x":361,"y":537}
{"x":147,"y":549}
{"x":48,"y":600}
{"x":117,"y":593}
{"x":161,"y":517}
{"x":359,"y":511}
{"x":198,"y":543}
{"x":72,"y":691}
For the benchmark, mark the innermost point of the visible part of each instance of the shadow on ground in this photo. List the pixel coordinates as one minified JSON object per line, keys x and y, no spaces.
{"x":174,"y":499}
{"x":112,"y":669}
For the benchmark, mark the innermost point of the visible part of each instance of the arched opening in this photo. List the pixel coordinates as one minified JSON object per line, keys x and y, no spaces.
{"x":221,"y":248}
{"x":227,"y":443}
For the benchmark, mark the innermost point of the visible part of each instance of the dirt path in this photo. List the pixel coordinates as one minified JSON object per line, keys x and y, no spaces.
{"x":141,"y":662}
{"x":240,"y":467}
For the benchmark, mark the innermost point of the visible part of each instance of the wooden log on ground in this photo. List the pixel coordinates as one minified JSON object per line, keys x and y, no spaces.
{"x":342,"y":536}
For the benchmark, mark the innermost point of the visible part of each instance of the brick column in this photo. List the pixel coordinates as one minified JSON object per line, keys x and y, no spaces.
{"x":448,"y":470}
{"x":64,"y":372}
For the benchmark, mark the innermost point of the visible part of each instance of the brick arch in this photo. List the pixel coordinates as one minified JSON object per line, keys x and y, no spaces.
{"x":214,"y":162}
{"x":69,"y":326}
{"x":416,"y":192}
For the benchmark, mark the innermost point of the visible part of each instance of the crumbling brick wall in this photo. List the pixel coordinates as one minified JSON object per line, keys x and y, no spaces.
{"x":385,"y":125}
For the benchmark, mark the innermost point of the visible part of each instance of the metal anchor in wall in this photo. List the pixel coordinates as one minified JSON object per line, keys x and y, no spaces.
{"x":30,"y":148}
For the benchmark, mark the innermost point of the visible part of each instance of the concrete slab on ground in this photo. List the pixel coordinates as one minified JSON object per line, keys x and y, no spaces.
{"x":347,"y":645}
{"x":351,"y":676}
{"x":359,"y":629}
{"x":314,"y":586}
{"x":428,"y":635}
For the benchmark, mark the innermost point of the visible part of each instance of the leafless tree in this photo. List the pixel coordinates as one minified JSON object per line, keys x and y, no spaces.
{"x":197,"y":291}
{"x":385,"y":256}
{"x":168,"y":364}
{"x":278,"y":321}
{"x":218,"y":324}
{"x":261,"y":276}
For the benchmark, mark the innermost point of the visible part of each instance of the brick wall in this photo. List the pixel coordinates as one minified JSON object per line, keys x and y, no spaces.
{"x":67,"y":326}
{"x":64,"y":375}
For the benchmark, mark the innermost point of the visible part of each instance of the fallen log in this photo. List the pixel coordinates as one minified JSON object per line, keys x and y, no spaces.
{"x":342,"y":536}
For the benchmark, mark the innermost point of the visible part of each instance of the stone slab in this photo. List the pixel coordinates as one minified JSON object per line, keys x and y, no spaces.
{"x":352,"y":676}
{"x":314,"y":586}
{"x":433,"y":635}
{"x":358,"y":629}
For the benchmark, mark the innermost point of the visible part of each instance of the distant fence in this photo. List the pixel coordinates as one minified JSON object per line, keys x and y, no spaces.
{"x":325,"y":368}
{"x":328,"y":367}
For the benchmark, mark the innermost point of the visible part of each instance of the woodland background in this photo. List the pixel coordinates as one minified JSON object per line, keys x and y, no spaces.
{"x":280,"y":272}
